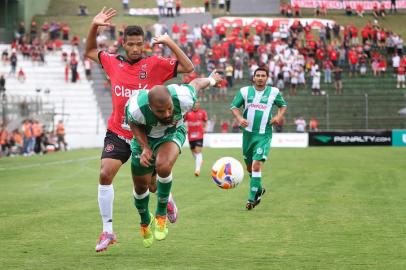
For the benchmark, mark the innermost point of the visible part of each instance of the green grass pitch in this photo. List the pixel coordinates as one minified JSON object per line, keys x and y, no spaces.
{"x":326,"y":208}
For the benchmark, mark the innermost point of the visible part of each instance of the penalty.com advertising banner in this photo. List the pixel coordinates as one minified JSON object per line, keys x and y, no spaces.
{"x":352,"y":138}
{"x":399,"y":137}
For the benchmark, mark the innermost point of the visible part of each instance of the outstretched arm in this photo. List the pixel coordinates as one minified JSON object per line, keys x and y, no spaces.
{"x":201,"y":83}
{"x":101,"y":19}
{"x":185,"y":64}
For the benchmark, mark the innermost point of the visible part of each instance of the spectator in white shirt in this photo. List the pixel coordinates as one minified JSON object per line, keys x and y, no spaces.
{"x":300,"y":125}
{"x":395,"y":63}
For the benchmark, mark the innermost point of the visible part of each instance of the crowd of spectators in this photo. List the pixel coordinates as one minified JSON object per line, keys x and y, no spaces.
{"x":31,"y":139}
{"x":297,"y":57}
{"x":35,"y":44}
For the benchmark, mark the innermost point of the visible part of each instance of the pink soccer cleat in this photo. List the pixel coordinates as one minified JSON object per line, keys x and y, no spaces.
{"x":172,"y":210}
{"x":106,"y":239}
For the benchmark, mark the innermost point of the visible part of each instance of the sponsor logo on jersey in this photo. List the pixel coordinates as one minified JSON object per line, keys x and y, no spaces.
{"x":121,"y":91}
{"x":258,"y":106}
{"x":109,"y":147}
{"x":260,"y":151}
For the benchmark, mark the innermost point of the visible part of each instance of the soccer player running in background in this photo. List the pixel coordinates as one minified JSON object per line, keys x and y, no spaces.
{"x":256,"y":122}
{"x":156,"y":120}
{"x":128,"y":74}
{"x":196,"y":121}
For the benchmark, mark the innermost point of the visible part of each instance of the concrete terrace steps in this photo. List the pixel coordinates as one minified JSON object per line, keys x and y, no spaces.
{"x":74,"y":102}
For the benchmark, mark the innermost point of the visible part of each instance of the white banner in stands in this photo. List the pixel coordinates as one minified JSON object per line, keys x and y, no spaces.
{"x":234,"y":140}
{"x":367,"y":5}
{"x":241,"y":21}
{"x":154,"y":11}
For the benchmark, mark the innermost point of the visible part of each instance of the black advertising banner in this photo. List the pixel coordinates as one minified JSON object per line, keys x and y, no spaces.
{"x":351,"y":138}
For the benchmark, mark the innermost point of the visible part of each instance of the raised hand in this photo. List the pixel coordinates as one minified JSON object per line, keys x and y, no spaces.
{"x":162,"y":39}
{"x":216,"y":76}
{"x":104,"y":17}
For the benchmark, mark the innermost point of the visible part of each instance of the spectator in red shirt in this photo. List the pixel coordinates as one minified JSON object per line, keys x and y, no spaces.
{"x":353,"y":62}
{"x":348,"y":10}
{"x":297,"y":10}
{"x":65,"y":32}
{"x":323,"y":9}
{"x":382,"y":66}
{"x":184,"y":28}
{"x":375,"y":10}
{"x":196,"y":62}
{"x":206,"y":6}
{"x":21,"y":76}
{"x":313,"y":124}
{"x":178,"y":5}
{"x":333,"y":57}
{"x":175,"y":31}
{"x":224,"y":126}
{"x":360,"y":10}
{"x":283,"y":8}
{"x":401,"y":77}
{"x":246,"y":30}
{"x":223,"y":89}
{"x":328,"y":65}
{"x":382,"y":11}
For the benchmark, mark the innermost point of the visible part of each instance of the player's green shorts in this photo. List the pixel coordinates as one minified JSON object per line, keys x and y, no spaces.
{"x":178,"y":137}
{"x":255,"y":146}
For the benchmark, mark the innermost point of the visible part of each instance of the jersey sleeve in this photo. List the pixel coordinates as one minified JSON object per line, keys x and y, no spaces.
{"x":166,"y":68}
{"x":106,"y":61}
{"x":238,"y":101}
{"x":133,"y":112}
{"x":186,"y":95}
{"x":280,"y":101}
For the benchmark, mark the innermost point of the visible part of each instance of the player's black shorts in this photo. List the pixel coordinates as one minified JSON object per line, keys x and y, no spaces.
{"x":198,"y":143}
{"x":116,"y":147}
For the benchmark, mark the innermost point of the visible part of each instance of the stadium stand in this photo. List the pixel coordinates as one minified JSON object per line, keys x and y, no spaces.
{"x":75,"y":103}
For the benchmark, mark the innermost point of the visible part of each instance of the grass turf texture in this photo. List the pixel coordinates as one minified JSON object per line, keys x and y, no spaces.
{"x":335,"y":208}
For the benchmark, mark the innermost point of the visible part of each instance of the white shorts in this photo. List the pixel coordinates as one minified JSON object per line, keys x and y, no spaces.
{"x":401,"y":78}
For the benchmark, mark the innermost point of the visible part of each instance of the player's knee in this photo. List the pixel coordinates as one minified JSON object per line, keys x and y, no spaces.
{"x":256,"y":167}
{"x":164,"y":168}
{"x":106,"y":177}
{"x":141,"y":188}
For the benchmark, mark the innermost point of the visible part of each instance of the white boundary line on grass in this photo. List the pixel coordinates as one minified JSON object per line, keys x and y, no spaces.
{"x":46,"y":163}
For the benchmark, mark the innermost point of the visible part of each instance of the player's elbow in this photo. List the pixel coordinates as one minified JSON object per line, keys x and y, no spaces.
{"x":190,"y":68}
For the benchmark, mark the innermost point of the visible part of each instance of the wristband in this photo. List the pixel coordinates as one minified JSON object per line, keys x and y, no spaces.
{"x":212,"y":81}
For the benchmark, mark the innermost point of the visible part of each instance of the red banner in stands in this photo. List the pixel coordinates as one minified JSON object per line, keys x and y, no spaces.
{"x":252,"y":21}
{"x":367,"y":5}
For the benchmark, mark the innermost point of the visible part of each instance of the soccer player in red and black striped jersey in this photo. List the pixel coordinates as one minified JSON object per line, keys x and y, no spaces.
{"x":196,"y":121}
{"x":128,"y":73}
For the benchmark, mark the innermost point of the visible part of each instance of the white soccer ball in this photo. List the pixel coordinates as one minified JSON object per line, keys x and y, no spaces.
{"x":227,"y":172}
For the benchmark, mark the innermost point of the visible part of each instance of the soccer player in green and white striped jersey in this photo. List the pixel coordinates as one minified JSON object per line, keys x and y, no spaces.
{"x":256,"y":121}
{"x":156,"y":120}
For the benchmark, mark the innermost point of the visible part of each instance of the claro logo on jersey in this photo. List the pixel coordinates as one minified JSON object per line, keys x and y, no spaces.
{"x":121,"y":91}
